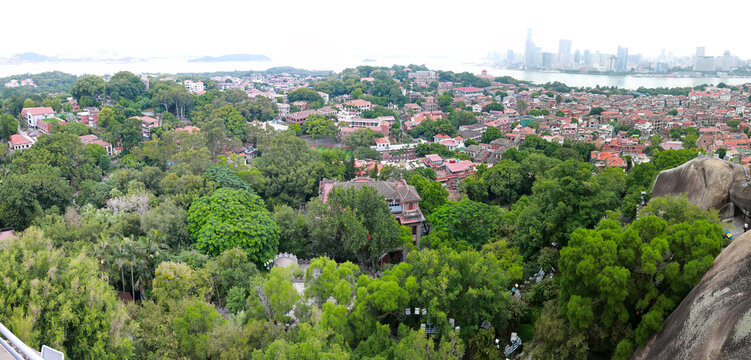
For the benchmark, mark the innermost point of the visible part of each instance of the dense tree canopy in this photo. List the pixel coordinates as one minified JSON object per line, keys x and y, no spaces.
{"x":233,"y":218}
{"x":354,"y":224}
{"x":125,"y":84}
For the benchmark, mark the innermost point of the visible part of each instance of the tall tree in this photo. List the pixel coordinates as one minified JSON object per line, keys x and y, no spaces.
{"x":233,"y":218}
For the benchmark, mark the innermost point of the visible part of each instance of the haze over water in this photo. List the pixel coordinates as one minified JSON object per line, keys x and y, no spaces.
{"x":174,"y":65}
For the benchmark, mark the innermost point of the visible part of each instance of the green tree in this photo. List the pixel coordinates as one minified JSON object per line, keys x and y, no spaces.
{"x":125,"y":84}
{"x":360,"y":138}
{"x":293,"y":231}
{"x":280,"y":292}
{"x":193,"y":329}
{"x":432,"y":194}
{"x":596,"y":111}
{"x":314,"y":99}
{"x":608,"y":275}
{"x":83,"y":327}
{"x":459,"y":117}
{"x":689,"y":141}
{"x":568,"y":198}
{"x":462,"y":224}
{"x":63,"y":151}
{"x":494,"y":106}
{"x":490,"y":134}
{"x":289,"y":168}
{"x":233,"y":218}
{"x":8,"y":126}
{"x":353,"y":224}
{"x":88,"y":87}
{"x":25,"y":196}
{"x":319,"y":127}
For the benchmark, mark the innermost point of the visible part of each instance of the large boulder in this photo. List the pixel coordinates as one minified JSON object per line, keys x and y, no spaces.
{"x":706,"y":182}
{"x":714,"y":320}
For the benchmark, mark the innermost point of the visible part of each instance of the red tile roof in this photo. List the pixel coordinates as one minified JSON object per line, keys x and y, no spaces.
{"x":17,"y":139}
{"x":467,"y":88}
{"x":37,"y":111}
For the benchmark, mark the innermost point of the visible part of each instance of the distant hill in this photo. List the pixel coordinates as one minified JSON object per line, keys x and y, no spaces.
{"x":33,"y":57}
{"x":232,"y":57}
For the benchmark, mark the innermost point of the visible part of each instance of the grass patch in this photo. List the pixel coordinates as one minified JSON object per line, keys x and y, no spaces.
{"x":348,"y":153}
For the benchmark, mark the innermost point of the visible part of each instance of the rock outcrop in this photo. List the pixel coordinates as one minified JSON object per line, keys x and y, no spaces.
{"x":706,"y":182}
{"x":714,"y":320}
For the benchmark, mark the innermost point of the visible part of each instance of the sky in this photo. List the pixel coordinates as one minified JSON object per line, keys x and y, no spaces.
{"x":333,"y":29}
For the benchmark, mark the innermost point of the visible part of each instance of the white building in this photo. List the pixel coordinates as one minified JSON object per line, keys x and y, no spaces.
{"x":194,"y":86}
{"x":33,"y":115}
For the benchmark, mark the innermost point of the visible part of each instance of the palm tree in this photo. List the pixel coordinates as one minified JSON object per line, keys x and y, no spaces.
{"x":119,"y":253}
{"x":101,"y":251}
{"x":131,"y":255}
{"x":149,"y":247}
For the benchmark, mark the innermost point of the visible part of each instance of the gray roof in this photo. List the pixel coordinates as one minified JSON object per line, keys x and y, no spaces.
{"x":390,"y":189}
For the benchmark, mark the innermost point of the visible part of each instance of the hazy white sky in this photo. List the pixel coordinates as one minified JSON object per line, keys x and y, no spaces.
{"x":288,"y":29}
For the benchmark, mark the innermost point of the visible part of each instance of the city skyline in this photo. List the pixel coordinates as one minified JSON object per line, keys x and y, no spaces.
{"x":569,"y":57}
{"x":698,"y":50}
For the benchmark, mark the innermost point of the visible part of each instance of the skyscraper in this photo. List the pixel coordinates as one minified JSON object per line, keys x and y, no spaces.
{"x":564,"y":54}
{"x":622,"y":59}
{"x":699,"y":51}
{"x":587,"y":58}
{"x":529,"y":52}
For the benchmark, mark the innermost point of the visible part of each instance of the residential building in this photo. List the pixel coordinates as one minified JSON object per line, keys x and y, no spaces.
{"x":358,"y":106}
{"x":299,"y":117}
{"x":18,"y":142}
{"x":424,"y":76}
{"x":450,"y":143}
{"x":146,"y":124}
{"x":395,"y":153}
{"x":194,"y":87}
{"x":401,"y":197}
{"x":468,"y":91}
{"x":33,"y":115}
{"x":45,"y":125}
{"x":603,"y":159}
{"x":449,"y":171}
{"x":93,"y":139}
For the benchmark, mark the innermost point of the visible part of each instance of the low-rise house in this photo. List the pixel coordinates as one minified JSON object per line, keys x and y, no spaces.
{"x":603,"y":159}
{"x":470,"y":134}
{"x":401,"y":197}
{"x":35,"y":114}
{"x":45,"y":125}
{"x":358,"y":106}
{"x":395,"y":153}
{"x":299,"y":117}
{"x":449,"y":142}
{"x":18,"y":142}
{"x":452,"y":171}
{"x":147,"y":123}
{"x":93,"y":139}
{"x":468,"y":91}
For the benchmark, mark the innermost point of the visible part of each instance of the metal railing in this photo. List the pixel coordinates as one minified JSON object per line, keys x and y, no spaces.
{"x":16,"y":345}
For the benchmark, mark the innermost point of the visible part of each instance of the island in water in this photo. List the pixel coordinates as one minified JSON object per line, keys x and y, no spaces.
{"x":231,"y":57}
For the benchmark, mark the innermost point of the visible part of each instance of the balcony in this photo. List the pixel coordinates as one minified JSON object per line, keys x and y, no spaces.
{"x":14,"y":349}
